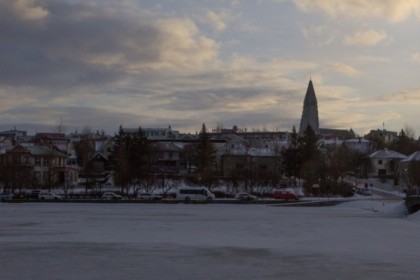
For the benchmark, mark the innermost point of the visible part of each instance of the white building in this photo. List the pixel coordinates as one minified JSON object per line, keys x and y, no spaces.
{"x":385,"y":162}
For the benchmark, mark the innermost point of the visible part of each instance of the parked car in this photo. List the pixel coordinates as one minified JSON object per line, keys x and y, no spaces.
{"x":188,"y":194}
{"x":284,"y":194}
{"x":34,"y":194}
{"x":364,"y":192}
{"x":111,"y":196}
{"x":245,"y":196}
{"x":6,"y":196}
{"x":149,"y":196}
{"x":49,"y":196}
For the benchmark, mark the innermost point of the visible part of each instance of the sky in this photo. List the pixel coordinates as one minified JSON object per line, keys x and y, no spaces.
{"x":99,"y":64}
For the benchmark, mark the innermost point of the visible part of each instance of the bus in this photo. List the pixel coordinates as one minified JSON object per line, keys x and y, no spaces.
{"x":192,"y":194}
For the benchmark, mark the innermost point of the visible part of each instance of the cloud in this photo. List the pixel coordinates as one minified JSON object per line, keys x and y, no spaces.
{"x":415,"y":57}
{"x":391,"y":10}
{"x":183,"y":46}
{"x":342,"y":68}
{"x":323,"y":35}
{"x":372,"y":58}
{"x":218,"y":20}
{"x":27,"y":10}
{"x":412,"y":96}
{"x":91,"y":44}
{"x":366,"y":38}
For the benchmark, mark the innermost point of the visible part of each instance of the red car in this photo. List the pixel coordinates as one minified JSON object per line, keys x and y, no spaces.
{"x":286,"y":195}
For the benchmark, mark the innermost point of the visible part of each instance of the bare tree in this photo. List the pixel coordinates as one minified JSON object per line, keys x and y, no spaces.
{"x":60,"y":128}
{"x":410,"y":132}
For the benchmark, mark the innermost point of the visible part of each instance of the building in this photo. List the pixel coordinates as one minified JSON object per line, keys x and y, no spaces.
{"x":382,"y":137}
{"x":385,"y":162}
{"x":409,"y":170}
{"x":155,"y":134}
{"x":357,"y":145}
{"x":97,"y":170}
{"x":32,"y":166}
{"x":339,"y":134}
{"x":240,"y":161}
{"x":219,"y":133}
{"x":310,"y":111}
{"x":170,"y":158}
{"x":16,"y":136}
{"x":57,"y":140}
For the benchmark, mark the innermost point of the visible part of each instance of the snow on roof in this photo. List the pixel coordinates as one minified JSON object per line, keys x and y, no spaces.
{"x":169,"y":146}
{"x":413,"y":157}
{"x":387,"y":154}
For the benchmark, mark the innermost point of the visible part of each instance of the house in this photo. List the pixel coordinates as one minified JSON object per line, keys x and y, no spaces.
{"x":330,"y":133}
{"x":409,"y":171}
{"x":170,"y":157}
{"x":359,"y":145}
{"x":16,"y":136}
{"x":256,"y":163}
{"x":385,"y":162}
{"x":6,"y":143}
{"x":356,"y":145}
{"x":383,"y":137}
{"x":155,"y":134}
{"x":58,"y":140}
{"x":32,"y":166}
{"x":97,"y":170}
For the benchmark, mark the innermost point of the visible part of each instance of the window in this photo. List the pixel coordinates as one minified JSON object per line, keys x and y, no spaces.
{"x":199,"y":191}
{"x":98,"y":166}
{"x":263,"y":167}
{"x":380,"y":161}
{"x":239,"y":166}
{"x":37,"y":176}
{"x":45,"y":176}
{"x":37,"y":161}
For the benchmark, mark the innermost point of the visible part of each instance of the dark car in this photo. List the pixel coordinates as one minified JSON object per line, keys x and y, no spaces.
{"x":6,"y":196}
{"x":245,"y":196}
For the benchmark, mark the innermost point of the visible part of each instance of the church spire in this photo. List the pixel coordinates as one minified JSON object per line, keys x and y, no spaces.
{"x":310,"y":110}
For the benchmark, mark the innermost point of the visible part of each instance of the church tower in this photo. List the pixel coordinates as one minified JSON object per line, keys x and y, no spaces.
{"x":310,"y":111}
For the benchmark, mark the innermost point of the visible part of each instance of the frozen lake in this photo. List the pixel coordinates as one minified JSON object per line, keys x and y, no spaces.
{"x":214,"y":241}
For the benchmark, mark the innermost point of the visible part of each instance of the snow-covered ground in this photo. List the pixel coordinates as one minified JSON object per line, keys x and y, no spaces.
{"x":366,"y":239}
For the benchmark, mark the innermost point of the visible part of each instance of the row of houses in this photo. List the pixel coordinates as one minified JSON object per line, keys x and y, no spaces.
{"x":47,"y":160}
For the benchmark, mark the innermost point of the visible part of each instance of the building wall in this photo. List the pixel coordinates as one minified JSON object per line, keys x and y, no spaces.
{"x":384,"y":166}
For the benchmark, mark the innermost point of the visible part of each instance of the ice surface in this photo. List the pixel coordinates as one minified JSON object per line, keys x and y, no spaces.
{"x":355,"y":240}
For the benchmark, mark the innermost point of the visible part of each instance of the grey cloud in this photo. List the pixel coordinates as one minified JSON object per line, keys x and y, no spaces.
{"x":219,"y":99}
{"x":76,"y":44}
{"x":76,"y":117}
{"x":209,"y":98}
{"x":47,"y":53}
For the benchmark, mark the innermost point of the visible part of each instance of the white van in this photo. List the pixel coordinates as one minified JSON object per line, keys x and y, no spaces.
{"x":190,"y":194}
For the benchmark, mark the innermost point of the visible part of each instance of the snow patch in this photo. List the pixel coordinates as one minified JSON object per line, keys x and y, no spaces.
{"x":397,"y":209}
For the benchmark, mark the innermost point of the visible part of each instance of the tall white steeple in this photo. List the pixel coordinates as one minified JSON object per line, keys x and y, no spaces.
{"x":310,"y":111}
